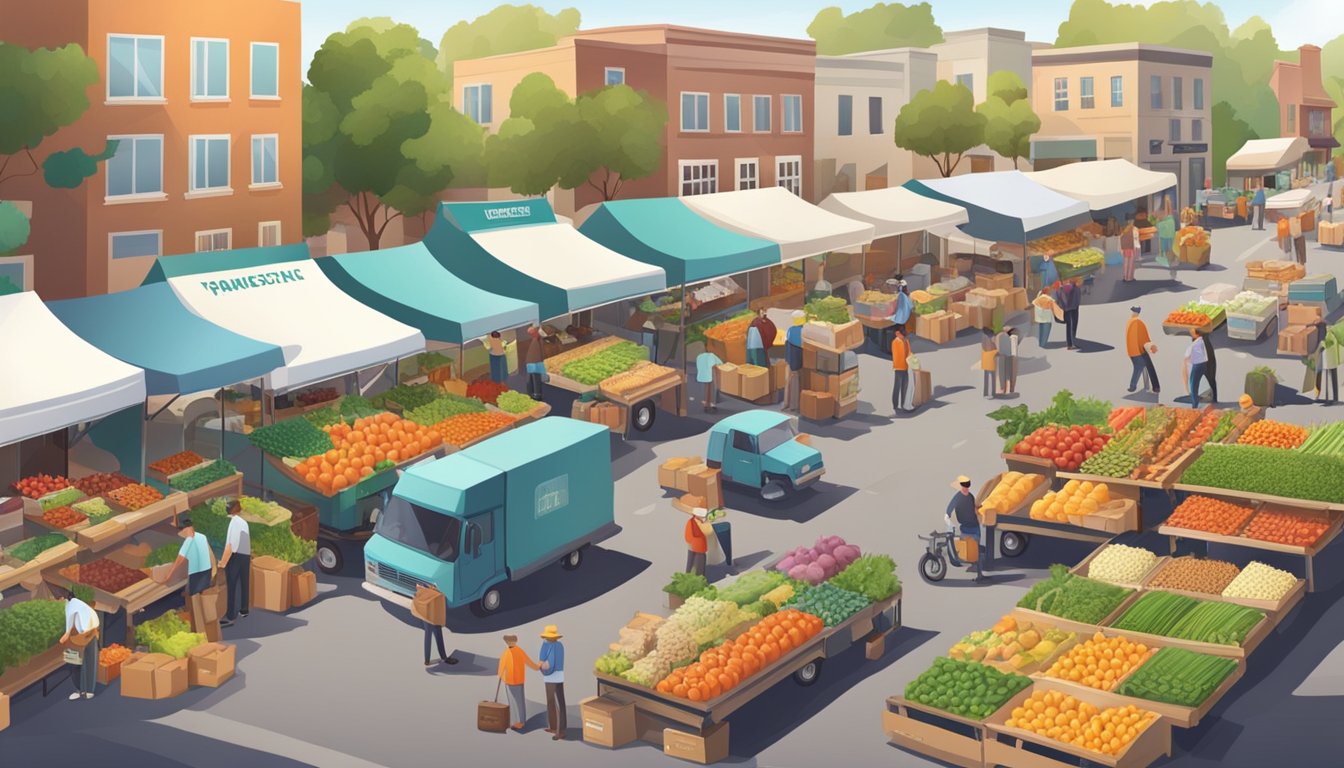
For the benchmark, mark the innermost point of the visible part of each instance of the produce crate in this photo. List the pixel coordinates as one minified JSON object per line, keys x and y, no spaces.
{"x":1067,"y":272}
{"x":666,"y":379}
{"x":1044,"y":664}
{"x":1211,"y":325}
{"x":20,"y":571}
{"x":1277,"y":608}
{"x":1068,"y":625}
{"x":1083,"y":568}
{"x":17,"y":679}
{"x":1250,"y":327}
{"x":540,"y":411}
{"x":228,"y":486}
{"x":1033,"y":464}
{"x":991,"y":518}
{"x":157,"y":476}
{"x":934,"y":732}
{"x":1018,"y":748}
{"x":1253,"y":639}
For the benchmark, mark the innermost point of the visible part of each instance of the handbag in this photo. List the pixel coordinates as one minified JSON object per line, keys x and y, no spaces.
{"x":80,"y":640}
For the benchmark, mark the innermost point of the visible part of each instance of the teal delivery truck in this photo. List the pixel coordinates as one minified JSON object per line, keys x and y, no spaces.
{"x":493,"y":513}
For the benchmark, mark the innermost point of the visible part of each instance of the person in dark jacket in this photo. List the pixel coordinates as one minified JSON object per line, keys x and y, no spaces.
{"x":769,"y":333}
{"x":1210,"y":367}
{"x":961,"y":515}
{"x":1068,"y":297}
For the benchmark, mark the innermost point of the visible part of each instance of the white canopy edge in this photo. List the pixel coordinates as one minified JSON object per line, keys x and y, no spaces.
{"x":559,"y":255}
{"x":55,"y":379}
{"x":1264,"y":156}
{"x":1291,"y":200}
{"x":895,"y":210}
{"x":325,"y":332}
{"x":776,"y":214}
{"x":1104,"y":184}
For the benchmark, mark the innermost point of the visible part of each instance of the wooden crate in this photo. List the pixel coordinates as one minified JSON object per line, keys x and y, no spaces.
{"x":933,"y":732}
{"x":990,"y":517}
{"x":1084,"y":567}
{"x":1018,"y":748}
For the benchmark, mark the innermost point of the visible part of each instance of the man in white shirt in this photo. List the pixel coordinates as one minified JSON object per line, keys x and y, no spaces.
{"x":80,"y":618}
{"x":1196,"y":363}
{"x":237,"y":563}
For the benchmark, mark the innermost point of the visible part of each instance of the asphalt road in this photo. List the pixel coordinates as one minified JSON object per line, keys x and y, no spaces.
{"x":340,"y":682}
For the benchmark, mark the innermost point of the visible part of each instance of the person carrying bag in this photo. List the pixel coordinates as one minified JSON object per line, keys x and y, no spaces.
{"x":82,"y":633}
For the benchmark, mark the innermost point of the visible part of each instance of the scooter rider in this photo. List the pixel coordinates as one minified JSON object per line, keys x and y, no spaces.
{"x":961,"y":515}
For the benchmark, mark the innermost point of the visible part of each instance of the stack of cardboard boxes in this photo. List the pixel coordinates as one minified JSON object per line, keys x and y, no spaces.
{"x":160,"y":676}
{"x":1330,"y":233}
{"x":830,"y":373}
{"x":991,"y":301}
{"x":279,"y":586}
{"x":752,"y":382}
{"x":701,"y":486}
{"x":611,"y":415}
{"x":1299,"y":336}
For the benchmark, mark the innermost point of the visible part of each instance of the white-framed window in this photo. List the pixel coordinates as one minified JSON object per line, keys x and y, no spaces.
{"x":732,"y":112}
{"x":699,"y":177}
{"x":266,"y":160}
{"x":844,"y":109}
{"x":614,"y":76}
{"x":478,"y":103}
{"x":748,"y":173}
{"x":967,"y":80}
{"x":134,"y":68}
{"x":265,"y":70}
{"x":132,"y":245}
{"x":694,"y":112}
{"x":760,"y":114}
{"x":1087,"y":97}
{"x":1196,"y":130}
{"x":1177,"y":93}
{"x":1199,"y":93}
{"x":789,"y":174}
{"x":209,"y":163}
{"x":1117,"y":91}
{"x":793,"y":113}
{"x":1061,"y":94}
{"x":875,"y":126}
{"x":1174,"y":129}
{"x":214,"y":240}
{"x":209,"y":69}
{"x":268,"y":234}
{"x":135,"y":172}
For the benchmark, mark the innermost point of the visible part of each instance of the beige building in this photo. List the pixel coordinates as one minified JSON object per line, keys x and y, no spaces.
{"x":857,"y":99}
{"x":1147,"y":104}
{"x":969,"y":57}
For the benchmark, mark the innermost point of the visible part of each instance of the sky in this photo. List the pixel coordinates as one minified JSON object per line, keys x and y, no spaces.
{"x":1295,"y":22}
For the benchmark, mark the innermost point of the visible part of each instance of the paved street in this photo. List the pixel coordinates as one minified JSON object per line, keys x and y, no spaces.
{"x":340,"y":683}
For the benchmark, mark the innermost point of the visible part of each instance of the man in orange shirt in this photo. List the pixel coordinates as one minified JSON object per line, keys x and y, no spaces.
{"x":696,"y":544}
{"x":900,"y":370}
{"x":512,"y":668}
{"x":1138,"y":345}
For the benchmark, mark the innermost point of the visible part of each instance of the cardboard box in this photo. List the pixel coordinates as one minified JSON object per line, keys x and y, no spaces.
{"x":962,"y":308}
{"x":708,"y":485}
{"x":109,"y":672}
{"x":1303,"y":314}
{"x":684,"y":472}
{"x":711,"y":747}
{"x":847,"y":408}
{"x":667,"y":471}
{"x":4,"y":711}
{"x":755,"y":382}
{"x":302,"y":588}
{"x":607,"y":723}
{"x":922,"y":386}
{"x":992,"y":281}
{"x":153,"y":676}
{"x":960,"y":322}
{"x":270,"y":584}
{"x":1297,"y":340}
{"x":840,"y":386}
{"x":942,"y":328}
{"x":1330,"y":233}
{"x":874,"y":646}
{"x":985,"y":297}
{"x":1017,"y":299}
{"x":211,"y":664}
{"x":730,"y":379}
{"x":779,"y":375}
{"x":817,"y":405}
{"x":429,"y":605}
{"x":843,"y":336}
{"x":581,"y":408}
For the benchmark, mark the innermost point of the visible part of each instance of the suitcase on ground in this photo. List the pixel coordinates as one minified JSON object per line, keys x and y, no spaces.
{"x":491,"y":716}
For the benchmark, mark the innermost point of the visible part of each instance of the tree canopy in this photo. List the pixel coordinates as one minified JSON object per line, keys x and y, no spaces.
{"x":1010,"y":121}
{"x":941,"y":124}
{"x":506,"y":29}
{"x":14,"y":229}
{"x":885,"y":25}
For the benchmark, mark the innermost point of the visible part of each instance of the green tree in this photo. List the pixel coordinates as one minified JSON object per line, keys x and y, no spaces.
{"x":380,"y":135}
{"x":1010,"y":121}
{"x":941,"y":124}
{"x":625,"y":131}
{"x":1229,"y":133}
{"x":14,"y":229}
{"x":506,"y":29}
{"x":42,"y":91}
{"x":885,"y":25}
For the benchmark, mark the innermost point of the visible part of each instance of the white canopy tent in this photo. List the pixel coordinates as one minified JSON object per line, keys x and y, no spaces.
{"x":1292,"y":200}
{"x":1104,"y":184}
{"x":1259,"y":157}
{"x":775,"y":214}
{"x":63,"y":380}
{"x":896,"y":211}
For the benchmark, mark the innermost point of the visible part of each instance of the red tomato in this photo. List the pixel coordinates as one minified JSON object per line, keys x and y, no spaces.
{"x":1061,"y":463}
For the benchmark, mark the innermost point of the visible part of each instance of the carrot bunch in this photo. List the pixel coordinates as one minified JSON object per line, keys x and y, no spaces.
{"x":724,"y":667}
{"x":1204,"y":429}
{"x":1274,"y":434}
{"x":1201,"y":513}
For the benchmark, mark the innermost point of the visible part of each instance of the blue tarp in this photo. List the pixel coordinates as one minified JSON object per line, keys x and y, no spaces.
{"x":664,"y":232}
{"x":410,"y":285}
{"x":149,"y":328}
{"x":1006,"y":206}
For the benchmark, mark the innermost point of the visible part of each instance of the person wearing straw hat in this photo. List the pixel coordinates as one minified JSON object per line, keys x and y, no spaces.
{"x":961,"y":515}
{"x":552,"y":660}
{"x":513,"y":665}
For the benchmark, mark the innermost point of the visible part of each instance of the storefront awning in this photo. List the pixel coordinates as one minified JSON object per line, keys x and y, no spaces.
{"x":53,"y":378}
{"x":1104,"y":184}
{"x":896,"y":211}
{"x":1322,"y":142}
{"x":664,"y":232}
{"x":1265,"y":156}
{"x":149,"y":328}
{"x":1291,"y":200}
{"x":1005,"y":206}
{"x":281,"y":297}
{"x":410,"y":285}
{"x":775,"y":214}
{"x":517,"y":248}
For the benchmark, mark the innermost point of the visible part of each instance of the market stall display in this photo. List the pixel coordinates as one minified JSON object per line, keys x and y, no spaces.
{"x":1075,"y":598}
{"x":1079,"y":262}
{"x":1112,"y":731}
{"x":1011,"y":492}
{"x":105,"y":575}
{"x":101,"y":483}
{"x":28,"y":635}
{"x":1121,"y":564}
{"x":1250,"y":315}
{"x":25,"y":559}
{"x":1101,"y":662}
{"x":1017,"y":422}
{"x":964,"y":688}
{"x":1184,"y":575}
{"x":1178,"y":676}
{"x":1014,"y":646}
{"x":37,"y":486}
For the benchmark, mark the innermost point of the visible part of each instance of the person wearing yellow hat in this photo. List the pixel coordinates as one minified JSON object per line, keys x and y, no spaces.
{"x":961,"y":515}
{"x":552,"y":660}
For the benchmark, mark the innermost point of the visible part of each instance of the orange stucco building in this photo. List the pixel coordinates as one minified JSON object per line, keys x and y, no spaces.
{"x":1305,"y":109}
{"x":205,"y":100}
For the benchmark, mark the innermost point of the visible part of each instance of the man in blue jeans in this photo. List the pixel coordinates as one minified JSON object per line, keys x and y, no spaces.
{"x":1196,"y":363}
{"x":961,"y":515}
{"x":195,"y":552}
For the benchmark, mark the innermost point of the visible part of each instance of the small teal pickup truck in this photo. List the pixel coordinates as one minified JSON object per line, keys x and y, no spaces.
{"x":761,"y":449}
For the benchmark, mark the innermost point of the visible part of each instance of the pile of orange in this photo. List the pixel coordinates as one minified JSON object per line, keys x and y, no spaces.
{"x":1064,"y":718}
{"x":1274,"y":434}
{"x":724,"y":667}
{"x":463,"y":428}
{"x":358,"y":449}
{"x":1101,"y":662}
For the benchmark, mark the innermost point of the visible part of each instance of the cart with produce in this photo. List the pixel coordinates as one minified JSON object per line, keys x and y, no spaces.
{"x":1250,"y":315}
{"x":1193,"y":315}
{"x":619,"y":372}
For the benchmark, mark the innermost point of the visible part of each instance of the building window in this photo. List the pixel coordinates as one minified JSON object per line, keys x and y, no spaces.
{"x":265,"y":170}
{"x":1316,"y":123}
{"x":214,"y":240}
{"x":1061,"y":94}
{"x":789,"y":174}
{"x":614,"y":76}
{"x":265,"y":70}
{"x":134,"y":67}
{"x":1117,"y":91}
{"x":1086,"y":97}
{"x":268,"y":234}
{"x":209,"y":163}
{"x":1174,"y":128}
{"x":209,"y":69}
{"x":845,"y":112}
{"x":1196,"y":130}
{"x":875,"y":115}
{"x":1155,"y":86}
{"x":1177,"y":93}
{"x":968,"y":81}
{"x":132,"y":245}
{"x":699,"y":177}
{"x":478,"y":103}
{"x":793,"y":113}
{"x":748,"y":174}
{"x":1199,"y":93}
{"x":760,"y":112}
{"x":732,"y":113}
{"x":137,"y":167}
{"x":1154,"y":146}
{"x":694,"y":112}
{"x":1292,"y":119}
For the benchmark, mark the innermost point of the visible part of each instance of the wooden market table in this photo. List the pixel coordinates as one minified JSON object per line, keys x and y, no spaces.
{"x":120,"y":527}
{"x":20,"y":571}
{"x":37,"y":669}
{"x":132,"y":599}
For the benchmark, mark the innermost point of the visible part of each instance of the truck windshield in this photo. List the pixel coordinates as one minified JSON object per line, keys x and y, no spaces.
{"x":419,"y":528}
{"x":774,"y":437}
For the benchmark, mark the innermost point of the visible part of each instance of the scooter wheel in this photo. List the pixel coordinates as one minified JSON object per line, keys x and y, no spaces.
{"x":932,"y":568}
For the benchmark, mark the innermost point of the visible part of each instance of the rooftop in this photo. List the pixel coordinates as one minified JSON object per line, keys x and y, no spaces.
{"x":1122,"y":52}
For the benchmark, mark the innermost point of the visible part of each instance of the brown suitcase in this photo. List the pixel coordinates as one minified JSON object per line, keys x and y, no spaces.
{"x":491,"y":716}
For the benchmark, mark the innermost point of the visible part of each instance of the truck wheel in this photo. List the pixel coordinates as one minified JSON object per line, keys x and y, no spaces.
{"x":643,"y":416}
{"x":774,"y":488}
{"x":572,"y":561}
{"x":1012,"y":543}
{"x":489,"y":602}
{"x":329,"y":557}
{"x":808,"y":674}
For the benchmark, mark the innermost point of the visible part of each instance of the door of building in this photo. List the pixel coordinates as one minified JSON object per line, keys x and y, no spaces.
{"x":1195,"y":178}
